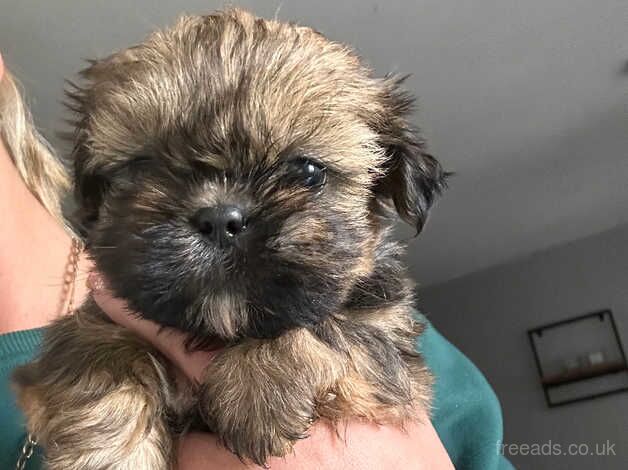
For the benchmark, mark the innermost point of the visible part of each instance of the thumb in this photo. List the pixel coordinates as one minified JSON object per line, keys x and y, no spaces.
{"x":168,"y":341}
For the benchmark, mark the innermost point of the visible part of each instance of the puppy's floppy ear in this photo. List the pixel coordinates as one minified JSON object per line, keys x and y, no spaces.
{"x":411,"y":178}
{"x":89,"y":187}
{"x":90,"y":181}
{"x":89,"y":190}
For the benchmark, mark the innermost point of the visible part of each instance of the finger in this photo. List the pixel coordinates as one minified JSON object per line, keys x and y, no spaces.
{"x":199,"y":451}
{"x":115,"y":308}
{"x":170,"y":342}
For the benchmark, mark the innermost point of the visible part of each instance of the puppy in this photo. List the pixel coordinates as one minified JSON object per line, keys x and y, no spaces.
{"x":237,"y":179}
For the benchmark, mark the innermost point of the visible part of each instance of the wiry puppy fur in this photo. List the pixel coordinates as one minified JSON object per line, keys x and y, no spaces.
{"x":236,"y":179}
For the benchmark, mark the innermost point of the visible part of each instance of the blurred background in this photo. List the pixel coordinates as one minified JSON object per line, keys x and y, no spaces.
{"x":528,"y":103}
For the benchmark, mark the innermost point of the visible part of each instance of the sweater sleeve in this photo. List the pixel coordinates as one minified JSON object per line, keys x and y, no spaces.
{"x":466,"y":413}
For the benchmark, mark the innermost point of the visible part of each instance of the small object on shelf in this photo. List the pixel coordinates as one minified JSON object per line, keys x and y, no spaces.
{"x":580,"y":358}
{"x":596,"y":358}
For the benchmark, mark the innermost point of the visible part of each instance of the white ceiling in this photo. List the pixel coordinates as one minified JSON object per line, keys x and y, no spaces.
{"x":526,"y":100}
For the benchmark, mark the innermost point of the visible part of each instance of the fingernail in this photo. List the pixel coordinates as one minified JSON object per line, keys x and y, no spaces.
{"x":95,"y":282}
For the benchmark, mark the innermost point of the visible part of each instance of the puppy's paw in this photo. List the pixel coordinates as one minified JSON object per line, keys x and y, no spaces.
{"x":122,"y":429}
{"x":87,"y":428}
{"x":95,"y":399}
{"x":256,"y":419}
{"x":258,"y":445}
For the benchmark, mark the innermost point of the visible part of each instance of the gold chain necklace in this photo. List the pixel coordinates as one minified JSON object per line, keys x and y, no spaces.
{"x":67,"y":295}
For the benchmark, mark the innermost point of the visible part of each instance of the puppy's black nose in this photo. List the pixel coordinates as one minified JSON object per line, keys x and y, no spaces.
{"x":222,"y":223}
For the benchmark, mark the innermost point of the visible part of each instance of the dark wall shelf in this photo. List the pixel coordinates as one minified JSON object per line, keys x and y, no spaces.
{"x":580,"y":358}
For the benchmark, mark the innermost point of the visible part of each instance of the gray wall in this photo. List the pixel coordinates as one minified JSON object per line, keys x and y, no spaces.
{"x":486,"y":314}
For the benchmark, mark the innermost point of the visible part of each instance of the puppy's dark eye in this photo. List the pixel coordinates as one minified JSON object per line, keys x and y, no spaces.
{"x":308,"y":172}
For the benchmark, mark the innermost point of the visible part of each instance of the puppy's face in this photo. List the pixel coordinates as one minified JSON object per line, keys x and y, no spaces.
{"x":232,"y":173}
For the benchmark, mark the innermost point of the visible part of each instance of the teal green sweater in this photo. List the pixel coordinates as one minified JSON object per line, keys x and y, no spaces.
{"x":466,"y":412}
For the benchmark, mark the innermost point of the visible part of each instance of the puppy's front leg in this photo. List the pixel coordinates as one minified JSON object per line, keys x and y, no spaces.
{"x":95,"y":397}
{"x":260,"y":396}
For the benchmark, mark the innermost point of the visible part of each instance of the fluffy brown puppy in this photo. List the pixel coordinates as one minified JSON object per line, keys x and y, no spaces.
{"x":237,"y":179}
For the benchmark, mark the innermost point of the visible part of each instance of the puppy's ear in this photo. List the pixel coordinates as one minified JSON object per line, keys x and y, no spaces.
{"x":90,"y":180}
{"x":89,"y":190}
{"x":411,"y":178}
{"x":89,"y":185}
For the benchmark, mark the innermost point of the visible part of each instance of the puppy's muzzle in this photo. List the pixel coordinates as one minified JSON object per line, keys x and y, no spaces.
{"x":221,"y":224}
